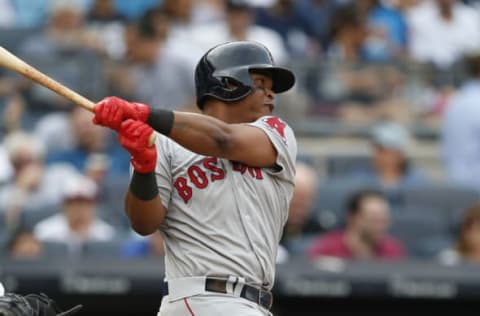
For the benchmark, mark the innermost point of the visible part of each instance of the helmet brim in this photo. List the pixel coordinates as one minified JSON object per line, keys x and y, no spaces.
{"x":283,"y":79}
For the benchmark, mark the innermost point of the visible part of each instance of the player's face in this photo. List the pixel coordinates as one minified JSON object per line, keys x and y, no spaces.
{"x":258,"y":103}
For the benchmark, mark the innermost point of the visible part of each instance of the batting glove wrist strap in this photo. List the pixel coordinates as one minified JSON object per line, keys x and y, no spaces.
{"x":161,"y":121}
{"x":144,"y":185}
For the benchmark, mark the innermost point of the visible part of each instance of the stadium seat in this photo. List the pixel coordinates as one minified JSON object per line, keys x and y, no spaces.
{"x":343,"y":165}
{"x":445,"y":198}
{"x":55,"y":249}
{"x":29,"y":218}
{"x":103,"y":248}
{"x":13,"y":38}
{"x":111,"y":208}
{"x":421,"y":230}
{"x":3,"y":241}
{"x":3,"y":224}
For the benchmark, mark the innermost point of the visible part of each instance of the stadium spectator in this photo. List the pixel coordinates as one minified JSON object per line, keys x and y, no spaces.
{"x":34,"y":185}
{"x":283,"y":18}
{"x":317,"y":15}
{"x":461,"y":121}
{"x":467,"y":246}
{"x":300,"y":226}
{"x":180,"y":12}
{"x":208,"y":11}
{"x":78,"y":221}
{"x":348,"y":32}
{"x":25,"y":13}
{"x":7,"y":14}
{"x":24,"y":245}
{"x":73,"y":138}
{"x":365,"y":235}
{"x":14,"y":116}
{"x":65,"y":50}
{"x":65,"y":32}
{"x":387,"y":31}
{"x":6,"y":169}
{"x":109,"y":25}
{"x":390,"y":165}
{"x":104,"y":11}
{"x":155,"y":73}
{"x":442,"y":31}
{"x":240,"y":25}
{"x":135,"y":9}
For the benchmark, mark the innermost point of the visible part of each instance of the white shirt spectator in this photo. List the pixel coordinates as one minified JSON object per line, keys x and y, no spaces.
{"x":435,"y":39}
{"x":6,"y":169}
{"x":55,"y":131}
{"x":7,"y":14}
{"x":213,"y":34}
{"x":55,"y":228}
{"x":78,"y":222}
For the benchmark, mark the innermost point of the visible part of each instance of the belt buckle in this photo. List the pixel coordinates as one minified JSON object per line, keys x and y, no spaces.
{"x":265,"y":299}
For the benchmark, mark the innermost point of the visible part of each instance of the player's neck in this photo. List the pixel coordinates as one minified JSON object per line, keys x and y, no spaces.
{"x":219,"y":111}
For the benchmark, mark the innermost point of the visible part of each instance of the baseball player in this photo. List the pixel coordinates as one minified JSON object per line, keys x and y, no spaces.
{"x":217,"y":185}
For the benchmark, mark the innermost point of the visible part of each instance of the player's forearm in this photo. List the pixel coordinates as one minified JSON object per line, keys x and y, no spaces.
{"x":199,"y":133}
{"x":143,"y":204}
{"x":145,"y":216}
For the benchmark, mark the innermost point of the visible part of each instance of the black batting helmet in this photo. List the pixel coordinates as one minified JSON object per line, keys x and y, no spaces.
{"x":232,"y":62}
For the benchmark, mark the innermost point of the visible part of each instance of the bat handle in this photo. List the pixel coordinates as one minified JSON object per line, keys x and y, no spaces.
{"x":151,"y":139}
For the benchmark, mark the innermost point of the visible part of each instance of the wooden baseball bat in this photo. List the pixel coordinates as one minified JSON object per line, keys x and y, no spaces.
{"x":12,"y":62}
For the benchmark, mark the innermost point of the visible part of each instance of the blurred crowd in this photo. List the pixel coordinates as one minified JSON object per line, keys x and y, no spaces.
{"x":388,"y":66}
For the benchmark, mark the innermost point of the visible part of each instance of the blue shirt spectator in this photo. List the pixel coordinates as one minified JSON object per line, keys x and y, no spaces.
{"x":30,"y":13}
{"x":388,"y":34}
{"x":135,"y":9}
{"x":317,"y":16}
{"x":461,"y":134}
{"x":152,"y":245}
{"x":390,"y":167}
{"x":285,"y":20}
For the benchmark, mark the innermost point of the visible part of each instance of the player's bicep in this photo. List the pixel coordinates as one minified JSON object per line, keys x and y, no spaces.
{"x":250,"y":145}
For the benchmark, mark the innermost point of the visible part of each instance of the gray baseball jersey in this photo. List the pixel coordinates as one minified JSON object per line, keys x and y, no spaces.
{"x":225,"y":218}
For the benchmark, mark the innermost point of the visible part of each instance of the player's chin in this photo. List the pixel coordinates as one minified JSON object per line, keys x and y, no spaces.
{"x":267,"y":109}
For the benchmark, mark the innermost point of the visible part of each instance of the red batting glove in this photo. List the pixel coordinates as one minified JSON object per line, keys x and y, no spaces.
{"x":134,"y":136}
{"x":112,"y":111}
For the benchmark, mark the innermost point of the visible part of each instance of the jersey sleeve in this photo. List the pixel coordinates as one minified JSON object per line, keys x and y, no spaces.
{"x":283,"y":139}
{"x":163,"y":170}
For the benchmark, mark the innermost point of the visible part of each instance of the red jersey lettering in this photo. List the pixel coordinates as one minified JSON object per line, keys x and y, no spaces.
{"x":183,"y":189}
{"x":211,"y":165}
{"x":198,"y":177}
{"x":276,"y":124}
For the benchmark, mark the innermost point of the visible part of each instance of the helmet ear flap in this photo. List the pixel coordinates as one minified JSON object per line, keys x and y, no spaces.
{"x":230,"y":84}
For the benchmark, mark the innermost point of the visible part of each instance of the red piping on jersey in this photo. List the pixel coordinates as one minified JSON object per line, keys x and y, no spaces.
{"x":188,"y":307}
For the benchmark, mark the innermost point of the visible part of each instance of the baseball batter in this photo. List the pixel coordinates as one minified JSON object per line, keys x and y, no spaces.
{"x":217,"y":185}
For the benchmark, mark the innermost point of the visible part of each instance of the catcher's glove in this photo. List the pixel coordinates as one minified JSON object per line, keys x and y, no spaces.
{"x":32,"y":305}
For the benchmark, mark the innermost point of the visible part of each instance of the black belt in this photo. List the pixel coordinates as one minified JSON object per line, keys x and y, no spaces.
{"x":262,"y":298}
